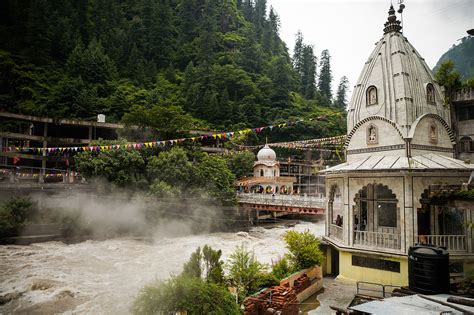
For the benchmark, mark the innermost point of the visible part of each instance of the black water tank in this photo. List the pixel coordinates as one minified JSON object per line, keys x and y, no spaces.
{"x":428,"y":269}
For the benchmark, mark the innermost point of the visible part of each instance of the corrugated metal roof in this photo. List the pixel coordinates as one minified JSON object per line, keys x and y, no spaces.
{"x":383,"y":162}
{"x":412,"y":304}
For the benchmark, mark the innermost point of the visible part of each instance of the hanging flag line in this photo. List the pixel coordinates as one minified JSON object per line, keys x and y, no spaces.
{"x":311,"y":143}
{"x":162,"y":143}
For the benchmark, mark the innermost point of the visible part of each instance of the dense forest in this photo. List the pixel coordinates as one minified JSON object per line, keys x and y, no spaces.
{"x":176,"y":63}
{"x":462,"y":56}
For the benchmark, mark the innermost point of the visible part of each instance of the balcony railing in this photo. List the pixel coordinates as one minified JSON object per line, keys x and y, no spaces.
{"x":376,"y":239}
{"x":453,"y":243}
{"x":283,"y":200}
{"x":336,"y":231}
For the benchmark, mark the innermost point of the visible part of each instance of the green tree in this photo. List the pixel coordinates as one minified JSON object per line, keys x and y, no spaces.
{"x":205,"y":264}
{"x":308,"y":76}
{"x":185,"y":294}
{"x":325,"y":75}
{"x":341,"y":97}
{"x":244,"y":271}
{"x":168,"y":121}
{"x":241,"y":163}
{"x":92,"y":64}
{"x":172,"y":167}
{"x":304,"y":249}
{"x":298,"y":53}
{"x":13,"y":213}
{"x":213,"y":176}
{"x":447,"y":76}
{"x":282,"y":268}
{"x":124,"y":168}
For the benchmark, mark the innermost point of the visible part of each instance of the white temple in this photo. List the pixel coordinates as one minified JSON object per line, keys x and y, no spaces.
{"x":399,"y":148}
{"x":266,"y":176}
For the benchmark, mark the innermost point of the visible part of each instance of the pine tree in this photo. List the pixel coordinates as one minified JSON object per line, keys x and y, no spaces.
{"x":325,"y":75}
{"x":341,"y":96}
{"x":308,"y":77}
{"x":298,"y":53}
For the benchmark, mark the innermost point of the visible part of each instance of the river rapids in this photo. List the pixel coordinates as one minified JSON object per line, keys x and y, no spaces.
{"x":104,"y":277}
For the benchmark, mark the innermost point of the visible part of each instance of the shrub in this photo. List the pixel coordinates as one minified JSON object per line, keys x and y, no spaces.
{"x":304,"y":249}
{"x":282,"y":268}
{"x":182,"y":294}
{"x":13,"y":214}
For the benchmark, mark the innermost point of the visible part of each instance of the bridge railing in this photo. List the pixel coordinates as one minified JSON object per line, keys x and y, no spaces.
{"x":283,"y":200}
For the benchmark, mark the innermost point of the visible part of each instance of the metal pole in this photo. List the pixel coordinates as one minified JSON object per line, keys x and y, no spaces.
{"x":43,"y":160}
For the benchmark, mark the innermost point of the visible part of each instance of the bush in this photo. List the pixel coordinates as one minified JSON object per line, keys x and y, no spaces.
{"x":182,"y":294}
{"x":282,"y":268}
{"x":245,"y":271}
{"x":13,"y":214}
{"x":304,"y":249}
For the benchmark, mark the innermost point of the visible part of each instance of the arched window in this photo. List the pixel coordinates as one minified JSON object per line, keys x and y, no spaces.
{"x":336,"y":205}
{"x":430,"y":93}
{"x":261,"y":173}
{"x":372,"y":97}
{"x":466,"y":145}
{"x":384,"y":204}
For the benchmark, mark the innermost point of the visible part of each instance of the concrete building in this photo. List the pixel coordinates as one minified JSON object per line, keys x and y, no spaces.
{"x":400,"y":151}
{"x":463,"y":102}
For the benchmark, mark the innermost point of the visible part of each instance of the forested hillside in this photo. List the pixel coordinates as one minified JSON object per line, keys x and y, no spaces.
{"x":180,"y":63}
{"x":462,"y":56}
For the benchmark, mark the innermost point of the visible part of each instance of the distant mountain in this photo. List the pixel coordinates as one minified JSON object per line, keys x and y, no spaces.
{"x":463,"y":57}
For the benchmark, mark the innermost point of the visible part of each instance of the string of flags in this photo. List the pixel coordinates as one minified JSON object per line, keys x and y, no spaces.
{"x":163,"y":143}
{"x":305,"y":144}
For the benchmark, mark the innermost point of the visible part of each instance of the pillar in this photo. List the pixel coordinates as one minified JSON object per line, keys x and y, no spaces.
{"x":43,"y":160}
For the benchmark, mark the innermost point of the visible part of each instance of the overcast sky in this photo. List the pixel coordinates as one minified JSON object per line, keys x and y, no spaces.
{"x":350,"y":28}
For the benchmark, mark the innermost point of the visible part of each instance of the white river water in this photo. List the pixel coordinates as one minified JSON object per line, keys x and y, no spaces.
{"x":104,"y":277}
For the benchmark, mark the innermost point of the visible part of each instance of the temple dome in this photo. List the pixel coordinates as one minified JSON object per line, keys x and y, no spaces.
{"x":266,"y":154}
{"x":395,"y":83}
{"x":397,"y":108}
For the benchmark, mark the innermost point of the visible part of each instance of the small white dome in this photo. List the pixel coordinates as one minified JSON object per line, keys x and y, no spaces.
{"x":266,"y":154}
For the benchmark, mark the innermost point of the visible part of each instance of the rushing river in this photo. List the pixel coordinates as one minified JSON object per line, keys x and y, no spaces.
{"x":104,"y":277}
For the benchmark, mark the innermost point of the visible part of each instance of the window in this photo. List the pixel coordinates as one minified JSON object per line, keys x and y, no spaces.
{"x":430,"y":93}
{"x":466,"y":113}
{"x":382,"y":200}
{"x":466,"y":145}
{"x":261,"y":173}
{"x":386,"y":206}
{"x":336,"y":206}
{"x":371,"y":96}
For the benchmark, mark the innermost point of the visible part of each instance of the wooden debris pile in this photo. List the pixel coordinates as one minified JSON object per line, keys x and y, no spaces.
{"x":278,"y":299}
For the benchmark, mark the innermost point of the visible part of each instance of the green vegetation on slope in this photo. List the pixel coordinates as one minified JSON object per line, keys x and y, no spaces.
{"x":461,"y":55}
{"x":171,"y":65}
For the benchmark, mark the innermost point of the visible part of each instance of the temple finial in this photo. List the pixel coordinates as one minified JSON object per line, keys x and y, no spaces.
{"x":392,"y":24}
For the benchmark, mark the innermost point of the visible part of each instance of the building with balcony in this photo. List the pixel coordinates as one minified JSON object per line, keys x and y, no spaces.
{"x":400,"y":150}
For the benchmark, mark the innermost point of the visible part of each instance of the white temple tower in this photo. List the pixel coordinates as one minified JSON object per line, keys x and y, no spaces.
{"x":399,"y":152}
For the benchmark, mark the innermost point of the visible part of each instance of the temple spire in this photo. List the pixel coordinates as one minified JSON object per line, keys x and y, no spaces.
{"x":392,"y":24}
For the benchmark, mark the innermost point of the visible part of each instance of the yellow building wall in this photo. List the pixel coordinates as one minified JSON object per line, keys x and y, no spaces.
{"x":355,"y":273}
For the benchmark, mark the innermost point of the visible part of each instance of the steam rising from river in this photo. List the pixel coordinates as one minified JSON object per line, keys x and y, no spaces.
{"x":105,"y":276}
{"x":108,"y":215}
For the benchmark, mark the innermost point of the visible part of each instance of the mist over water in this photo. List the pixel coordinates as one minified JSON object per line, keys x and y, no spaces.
{"x":105,"y":276}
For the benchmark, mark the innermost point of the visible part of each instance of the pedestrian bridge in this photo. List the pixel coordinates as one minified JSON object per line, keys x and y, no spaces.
{"x":287,"y":204}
